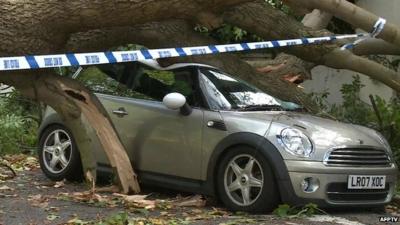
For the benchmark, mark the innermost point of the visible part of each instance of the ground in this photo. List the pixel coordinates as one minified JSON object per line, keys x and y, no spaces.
{"x":30,"y":198}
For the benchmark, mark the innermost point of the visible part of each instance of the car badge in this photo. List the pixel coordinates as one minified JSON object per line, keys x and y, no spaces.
{"x":361,"y":141}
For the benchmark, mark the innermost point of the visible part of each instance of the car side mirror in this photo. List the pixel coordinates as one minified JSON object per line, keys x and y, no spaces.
{"x":176,"y":101}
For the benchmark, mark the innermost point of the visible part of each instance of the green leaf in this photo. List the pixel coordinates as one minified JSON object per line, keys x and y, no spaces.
{"x":282,"y":210}
{"x":52,"y":217}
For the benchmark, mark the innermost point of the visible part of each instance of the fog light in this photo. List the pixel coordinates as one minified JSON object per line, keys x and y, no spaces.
{"x":309,"y":184}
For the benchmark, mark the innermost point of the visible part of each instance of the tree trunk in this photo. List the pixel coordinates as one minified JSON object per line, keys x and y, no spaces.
{"x":75,"y":104}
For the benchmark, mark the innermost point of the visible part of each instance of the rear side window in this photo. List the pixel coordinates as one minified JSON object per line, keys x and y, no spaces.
{"x":135,"y":80}
{"x":99,"y":82}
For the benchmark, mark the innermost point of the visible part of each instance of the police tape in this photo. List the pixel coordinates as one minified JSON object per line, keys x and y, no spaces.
{"x":95,"y":58}
{"x":377,"y":29}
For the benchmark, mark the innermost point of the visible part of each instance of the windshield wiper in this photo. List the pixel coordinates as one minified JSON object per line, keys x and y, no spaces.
{"x":261,"y":108}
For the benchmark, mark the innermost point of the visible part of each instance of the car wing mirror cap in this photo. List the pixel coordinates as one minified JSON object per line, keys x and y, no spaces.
{"x":177,"y":101}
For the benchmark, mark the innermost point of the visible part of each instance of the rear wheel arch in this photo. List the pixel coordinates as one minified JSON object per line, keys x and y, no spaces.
{"x":42,"y":129}
{"x":50,"y":120}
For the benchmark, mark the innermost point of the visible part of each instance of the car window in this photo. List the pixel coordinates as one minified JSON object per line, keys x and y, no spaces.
{"x":223,"y":92}
{"x":139,"y":81}
{"x":99,"y":81}
{"x":158,"y":83}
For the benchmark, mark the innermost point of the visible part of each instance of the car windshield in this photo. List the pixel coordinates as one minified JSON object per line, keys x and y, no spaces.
{"x":223,"y":92}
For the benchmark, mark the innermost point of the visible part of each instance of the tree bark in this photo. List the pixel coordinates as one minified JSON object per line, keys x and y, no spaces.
{"x":317,"y":19}
{"x":364,"y":66}
{"x":75,"y":104}
{"x":290,"y":67}
{"x":266,"y":22}
{"x":374,"y":46}
{"x":44,"y":26}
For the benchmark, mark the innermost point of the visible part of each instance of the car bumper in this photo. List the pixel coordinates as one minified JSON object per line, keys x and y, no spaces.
{"x":332,"y":182}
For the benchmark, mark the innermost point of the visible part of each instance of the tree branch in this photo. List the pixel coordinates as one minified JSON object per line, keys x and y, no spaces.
{"x":317,"y":19}
{"x":374,"y":46}
{"x":356,"y":16}
{"x":346,"y":60}
{"x":262,"y":20}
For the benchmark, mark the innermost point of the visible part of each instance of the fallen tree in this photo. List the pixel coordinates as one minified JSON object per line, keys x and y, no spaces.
{"x":45,"y":27}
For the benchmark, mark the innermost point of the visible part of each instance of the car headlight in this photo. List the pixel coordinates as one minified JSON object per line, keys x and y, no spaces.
{"x":383,"y":141}
{"x":296,"y":142}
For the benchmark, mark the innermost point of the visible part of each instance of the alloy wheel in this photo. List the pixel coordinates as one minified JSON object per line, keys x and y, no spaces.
{"x":57,"y":151}
{"x":243,"y":180}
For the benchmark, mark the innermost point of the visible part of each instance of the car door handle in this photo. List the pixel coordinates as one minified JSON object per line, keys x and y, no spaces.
{"x":121,"y":112}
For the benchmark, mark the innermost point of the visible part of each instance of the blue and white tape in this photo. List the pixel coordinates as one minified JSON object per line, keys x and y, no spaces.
{"x":84,"y":59}
{"x":378,"y":28}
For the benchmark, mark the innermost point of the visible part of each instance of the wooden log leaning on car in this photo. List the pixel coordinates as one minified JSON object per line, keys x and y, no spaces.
{"x":76,"y":104}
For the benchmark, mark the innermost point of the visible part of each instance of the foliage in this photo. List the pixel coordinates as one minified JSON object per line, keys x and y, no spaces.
{"x":353,"y":109}
{"x":385,"y":119}
{"x":118,"y":219}
{"x":229,"y":34}
{"x":19,"y":120}
{"x":339,"y":26}
{"x":99,"y":82}
{"x":286,"y":210}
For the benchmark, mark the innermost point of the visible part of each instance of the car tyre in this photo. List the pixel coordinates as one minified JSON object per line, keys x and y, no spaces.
{"x":59,"y":157}
{"x":245,"y":181}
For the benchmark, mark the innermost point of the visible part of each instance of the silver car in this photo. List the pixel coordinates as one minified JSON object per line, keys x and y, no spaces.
{"x":195,"y":128}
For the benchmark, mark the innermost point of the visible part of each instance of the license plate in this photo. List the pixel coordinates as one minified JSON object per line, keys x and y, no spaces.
{"x":366,"y":182}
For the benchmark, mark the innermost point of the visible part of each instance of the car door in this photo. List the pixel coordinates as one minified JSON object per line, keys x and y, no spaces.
{"x":158,"y":140}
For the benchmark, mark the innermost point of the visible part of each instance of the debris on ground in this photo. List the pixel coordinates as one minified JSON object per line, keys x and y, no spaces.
{"x":140,"y":201}
{"x":38,"y":201}
{"x":63,"y":202}
{"x":137,"y":201}
{"x":191,"y":201}
{"x":11,"y":164}
{"x":90,"y":198}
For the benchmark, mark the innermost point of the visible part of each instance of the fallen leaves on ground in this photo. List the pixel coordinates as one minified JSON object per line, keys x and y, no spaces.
{"x":91,"y":198}
{"x":133,"y":202}
{"x":6,"y":191}
{"x":191,"y":201}
{"x":108,"y":189}
{"x":38,"y":200}
{"x":169,"y":219}
{"x":59,"y":184}
{"x":140,"y":201}
{"x":22,"y":162}
{"x":392,"y":209}
{"x":16,"y":163}
{"x":137,"y":201}
{"x":52,"y":217}
{"x":6,"y":188}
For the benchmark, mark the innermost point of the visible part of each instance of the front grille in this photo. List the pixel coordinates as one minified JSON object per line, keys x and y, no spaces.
{"x":357,"y":157}
{"x":338,"y":192}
